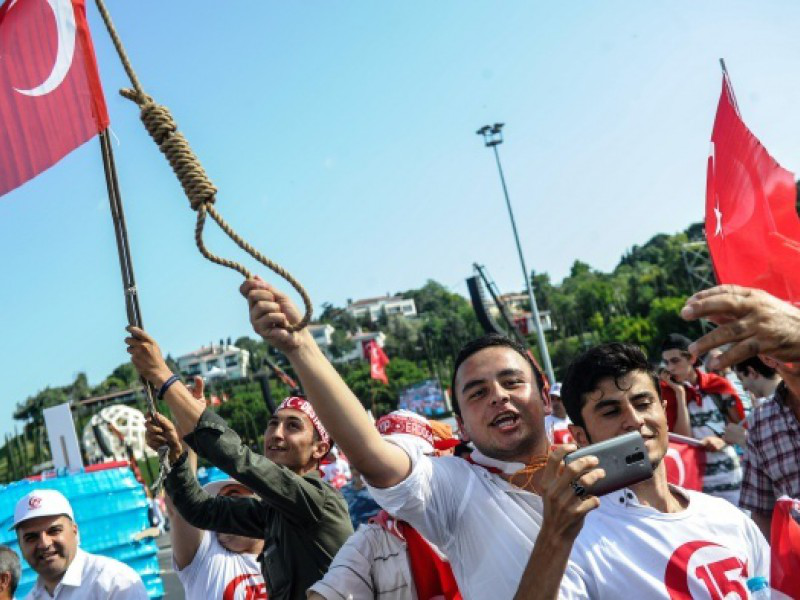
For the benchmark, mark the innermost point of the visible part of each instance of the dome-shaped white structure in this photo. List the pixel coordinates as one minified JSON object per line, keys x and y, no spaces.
{"x":129,"y":422}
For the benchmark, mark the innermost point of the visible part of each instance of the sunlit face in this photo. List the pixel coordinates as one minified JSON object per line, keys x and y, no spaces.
{"x":238,"y":543}
{"x":289,"y":440}
{"x":630,"y":403}
{"x":48,"y":544}
{"x":679,"y":364}
{"x":502,"y":412}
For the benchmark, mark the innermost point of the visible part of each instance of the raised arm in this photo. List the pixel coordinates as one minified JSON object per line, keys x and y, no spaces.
{"x":381,"y":463}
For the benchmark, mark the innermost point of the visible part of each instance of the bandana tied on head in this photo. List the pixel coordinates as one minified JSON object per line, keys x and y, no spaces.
{"x":404,"y":423}
{"x":305,"y":407}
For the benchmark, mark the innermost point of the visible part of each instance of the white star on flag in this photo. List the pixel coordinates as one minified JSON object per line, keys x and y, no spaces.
{"x":718,"y":215}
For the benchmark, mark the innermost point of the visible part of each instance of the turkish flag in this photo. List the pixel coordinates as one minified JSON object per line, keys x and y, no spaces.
{"x":51,"y":100}
{"x":785,"y":542}
{"x":377,"y":361}
{"x":685,"y":465}
{"x":752,"y":226}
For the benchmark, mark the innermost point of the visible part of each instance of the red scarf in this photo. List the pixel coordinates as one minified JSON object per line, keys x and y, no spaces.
{"x":432,"y":574}
{"x":707,"y":383}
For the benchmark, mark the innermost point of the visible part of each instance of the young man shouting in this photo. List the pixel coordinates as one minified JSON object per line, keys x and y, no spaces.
{"x":485,"y":515}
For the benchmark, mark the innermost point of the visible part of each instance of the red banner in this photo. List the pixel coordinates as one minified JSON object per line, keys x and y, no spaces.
{"x":685,"y":465}
{"x":377,"y":361}
{"x":752,"y":226}
{"x":785,"y":542}
{"x":51,"y":100}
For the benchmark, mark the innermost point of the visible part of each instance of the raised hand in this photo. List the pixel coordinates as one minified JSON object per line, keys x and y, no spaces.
{"x":146,"y":356}
{"x":754,"y":321}
{"x":161,"y":432}
{"x":271,"y":312}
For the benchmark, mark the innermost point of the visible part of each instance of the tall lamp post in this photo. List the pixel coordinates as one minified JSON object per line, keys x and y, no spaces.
{"x":492,"y":137}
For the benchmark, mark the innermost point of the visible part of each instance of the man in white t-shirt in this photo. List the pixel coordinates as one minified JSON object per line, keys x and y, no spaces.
{"x":217,"y":565}
{"x":556,"y":424}
{"x":484,"y":514}
{"x":651,"y":540}
{"x":48,"y":539}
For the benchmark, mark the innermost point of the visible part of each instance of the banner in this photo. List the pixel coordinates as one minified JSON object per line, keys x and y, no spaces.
{"x":51,"y":100}
{"x":752,"y":227}
{"x":685,"y":465}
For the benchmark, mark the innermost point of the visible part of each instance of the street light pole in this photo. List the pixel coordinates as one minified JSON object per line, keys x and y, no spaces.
{"x":492,"y":137}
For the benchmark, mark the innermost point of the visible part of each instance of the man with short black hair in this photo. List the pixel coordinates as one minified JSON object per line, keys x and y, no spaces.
{"x":651,"y":540}
{"x":712,"y":403}
{"x":758,"y":378}
{"x":10,"y":572}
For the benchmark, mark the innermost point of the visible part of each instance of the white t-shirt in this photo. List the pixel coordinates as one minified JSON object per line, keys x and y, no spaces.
{"x":218,"y":574}
{"x":629,"y":550}
{"x":91,"y":576}
{"x":485,"y":525}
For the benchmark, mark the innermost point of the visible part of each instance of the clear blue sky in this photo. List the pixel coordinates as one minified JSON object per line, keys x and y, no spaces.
{"x":341,"y":137}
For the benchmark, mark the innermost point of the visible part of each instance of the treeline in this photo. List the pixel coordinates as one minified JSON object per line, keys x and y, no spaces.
{"x":637,"y":302}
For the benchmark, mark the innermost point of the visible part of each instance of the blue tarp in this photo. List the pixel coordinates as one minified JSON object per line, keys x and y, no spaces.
{"x":110,"y":508}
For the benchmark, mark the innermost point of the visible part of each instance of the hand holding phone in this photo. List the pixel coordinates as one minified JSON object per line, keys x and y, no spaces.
{"x":623,"y":458}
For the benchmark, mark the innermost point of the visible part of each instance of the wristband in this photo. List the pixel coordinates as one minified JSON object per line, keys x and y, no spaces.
{"x":165,"y":386}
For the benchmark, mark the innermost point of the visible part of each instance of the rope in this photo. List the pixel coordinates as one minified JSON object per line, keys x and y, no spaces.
{"x":196,"y":184}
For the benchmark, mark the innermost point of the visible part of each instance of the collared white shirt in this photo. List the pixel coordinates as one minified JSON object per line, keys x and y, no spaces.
{"x":708,"y":550}
{"x":485,"y":525}
{"x":90,"y":576}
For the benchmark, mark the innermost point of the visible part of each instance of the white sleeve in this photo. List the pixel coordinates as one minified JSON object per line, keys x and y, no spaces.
{"x":127,"y":585}
{"x":432,"y":497}
{"x":758,"y":549}
{"x":573,"y":584}
{"x":188,"y":572}
{"x":349,"y":575}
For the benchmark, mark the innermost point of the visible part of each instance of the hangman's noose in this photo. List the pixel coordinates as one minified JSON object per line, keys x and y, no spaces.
{"x":198,"y":187}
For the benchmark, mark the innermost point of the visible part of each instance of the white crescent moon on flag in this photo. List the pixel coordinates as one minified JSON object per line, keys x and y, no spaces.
{"x":65,"y":26}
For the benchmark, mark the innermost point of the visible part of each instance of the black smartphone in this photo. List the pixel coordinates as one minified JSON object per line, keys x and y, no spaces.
{"x":624,"y":459}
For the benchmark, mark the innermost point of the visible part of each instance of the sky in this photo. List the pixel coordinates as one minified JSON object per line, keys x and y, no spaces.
{"x":341,"y":136}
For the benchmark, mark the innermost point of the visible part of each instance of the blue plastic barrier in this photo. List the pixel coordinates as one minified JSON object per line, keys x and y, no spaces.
{"x":110,"y":508}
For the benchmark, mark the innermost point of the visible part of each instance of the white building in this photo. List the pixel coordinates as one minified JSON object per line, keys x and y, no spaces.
{"x":518,"y":306}
{"x":360,"y":340}
{"x":323,"y":335}
{"x":373,"y":308}
{"x":223,"y":360}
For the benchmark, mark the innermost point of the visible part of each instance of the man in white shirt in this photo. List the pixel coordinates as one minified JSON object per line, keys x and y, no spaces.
{"x":485,"y":515}
{"x":48,"y":539}
{"x":651,"y":540}
{"x":556,"y":424}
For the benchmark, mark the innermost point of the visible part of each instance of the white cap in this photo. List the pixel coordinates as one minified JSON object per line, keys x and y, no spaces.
{"x":41,"y":503}
{"x":555,"y":390}
{"x":215,"y":487}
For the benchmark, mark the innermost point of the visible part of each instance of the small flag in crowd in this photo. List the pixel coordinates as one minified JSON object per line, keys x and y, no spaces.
{"x":752,"y":226}
{"x":377,"y":361}
{"x":685,"y":464}
{"x":51,"y":100}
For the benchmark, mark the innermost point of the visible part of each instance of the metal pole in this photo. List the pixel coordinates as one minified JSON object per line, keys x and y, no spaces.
{"x":548,"y":367}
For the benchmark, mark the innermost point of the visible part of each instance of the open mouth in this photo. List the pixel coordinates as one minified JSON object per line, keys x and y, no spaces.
{"x":276,"y":449}
{"x":505,"y":420}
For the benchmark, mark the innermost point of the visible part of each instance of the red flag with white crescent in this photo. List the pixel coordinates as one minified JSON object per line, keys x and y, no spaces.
{"x":752,"y":226}
{"x":51,"y":100}
{"x":377,"y":361}
{"x":685,"y":465}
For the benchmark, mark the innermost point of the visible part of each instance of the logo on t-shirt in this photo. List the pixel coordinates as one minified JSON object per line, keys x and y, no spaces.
{"x":245,"y":587}
{"x":703,"y":569}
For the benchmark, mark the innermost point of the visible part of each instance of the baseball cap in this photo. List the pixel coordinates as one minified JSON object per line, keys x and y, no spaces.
{"x":41,"y":503}
{"x":215,"y":487}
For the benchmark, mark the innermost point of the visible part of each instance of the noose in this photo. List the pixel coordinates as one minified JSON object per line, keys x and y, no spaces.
{"x":201,"y":192}
{"x":199,"y":189}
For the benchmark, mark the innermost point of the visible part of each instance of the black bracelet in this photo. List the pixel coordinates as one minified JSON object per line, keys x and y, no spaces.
{"x":165,"y":386}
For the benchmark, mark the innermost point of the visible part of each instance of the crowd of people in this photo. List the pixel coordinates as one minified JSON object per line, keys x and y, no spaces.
{"x":510,"y":518}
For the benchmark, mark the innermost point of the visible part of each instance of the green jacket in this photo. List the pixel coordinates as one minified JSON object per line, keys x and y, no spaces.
{"x":303,"y":520}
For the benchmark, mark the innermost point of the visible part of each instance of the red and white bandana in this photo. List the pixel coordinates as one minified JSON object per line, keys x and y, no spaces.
{"x":305,"y":407}
{"x":407,"y":423}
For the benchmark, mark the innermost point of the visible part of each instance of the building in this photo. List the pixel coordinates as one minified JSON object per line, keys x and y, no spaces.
{"x":518,"y":306}
{"x":323,"y":335}
{"x":217,"y":360}
{"x":373,"y":308}
{"x":360,"y":339}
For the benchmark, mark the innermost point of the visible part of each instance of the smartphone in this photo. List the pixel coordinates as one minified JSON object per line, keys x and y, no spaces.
{"x":624,"y":459}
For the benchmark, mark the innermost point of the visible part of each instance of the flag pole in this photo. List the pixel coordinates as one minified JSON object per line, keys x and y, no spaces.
{"x":126,"y":267}
{"x":727,"y":78}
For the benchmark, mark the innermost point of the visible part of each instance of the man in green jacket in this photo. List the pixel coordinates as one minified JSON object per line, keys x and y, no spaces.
{"x":302,"y":519}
